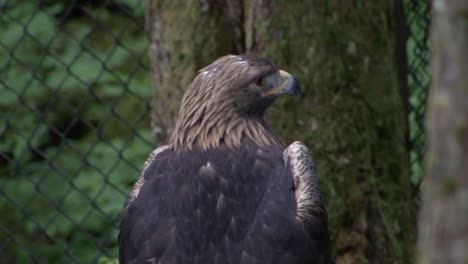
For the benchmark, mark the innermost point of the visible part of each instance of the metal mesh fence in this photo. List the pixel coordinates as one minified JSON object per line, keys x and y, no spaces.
{"x":74,"y":99}
{"x":418,"y":19}
{"x":75,"y":115}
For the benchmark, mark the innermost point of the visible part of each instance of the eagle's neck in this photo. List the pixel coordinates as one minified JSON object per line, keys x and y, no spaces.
{"x":210,"y":130}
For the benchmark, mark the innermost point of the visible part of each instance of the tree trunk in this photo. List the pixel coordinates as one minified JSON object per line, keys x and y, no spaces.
{"x":184,"y":36}
{"x":443,"y":220}
{"x":352,"y":116}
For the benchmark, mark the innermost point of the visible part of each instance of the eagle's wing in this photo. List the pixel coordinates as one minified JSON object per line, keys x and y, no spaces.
{"x":310,"y":208}
{"x":123,"y":237}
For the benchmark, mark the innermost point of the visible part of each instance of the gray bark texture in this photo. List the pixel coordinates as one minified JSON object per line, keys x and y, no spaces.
{"x":443,"y":220}
{"x":183,"y":37}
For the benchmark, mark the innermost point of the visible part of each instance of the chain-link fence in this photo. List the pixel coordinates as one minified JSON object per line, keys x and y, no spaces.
{"x":74,"y":93}
{"x":74,"y":111}
{"x":418,"y":19}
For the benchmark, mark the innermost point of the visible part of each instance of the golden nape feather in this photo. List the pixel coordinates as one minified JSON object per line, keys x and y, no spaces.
{"x":214,"y":107}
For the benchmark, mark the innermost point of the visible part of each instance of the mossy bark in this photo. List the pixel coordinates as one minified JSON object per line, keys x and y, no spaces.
{"x":352,"y":116}
{"x":183,"y":37}
{"x":443,"y":220}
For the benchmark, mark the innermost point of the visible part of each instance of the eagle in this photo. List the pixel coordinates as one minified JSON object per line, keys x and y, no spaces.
{"x":226,"y":189}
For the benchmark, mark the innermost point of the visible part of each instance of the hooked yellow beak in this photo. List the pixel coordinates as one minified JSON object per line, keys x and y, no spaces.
{"x":289,"y":85}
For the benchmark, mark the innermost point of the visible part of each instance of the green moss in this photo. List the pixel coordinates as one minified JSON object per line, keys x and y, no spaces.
{"x":449,"y":186}
{"x":351,"y":118}
{"x":460,"y":134}
{"x":190,"y":36}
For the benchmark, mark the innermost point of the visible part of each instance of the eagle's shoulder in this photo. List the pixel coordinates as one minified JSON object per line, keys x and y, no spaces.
{"x":297,"y":152}
{"x":141,"y":179}
{"x":310,"y":208}
{"x":300,"y":162}
{"x":302,"y":165}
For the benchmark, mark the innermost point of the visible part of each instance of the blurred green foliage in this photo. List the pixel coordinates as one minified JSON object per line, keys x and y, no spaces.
{"x":74,"y":131}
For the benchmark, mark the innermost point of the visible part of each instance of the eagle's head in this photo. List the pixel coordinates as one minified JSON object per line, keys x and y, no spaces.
{"x":225,"y":103}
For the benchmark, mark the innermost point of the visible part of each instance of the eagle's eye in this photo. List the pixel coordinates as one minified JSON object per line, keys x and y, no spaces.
{"x":260,"y":81}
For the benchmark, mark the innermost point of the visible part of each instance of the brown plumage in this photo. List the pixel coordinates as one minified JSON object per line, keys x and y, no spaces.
{"x":225,"y":189}
{"x":216,"y":107}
